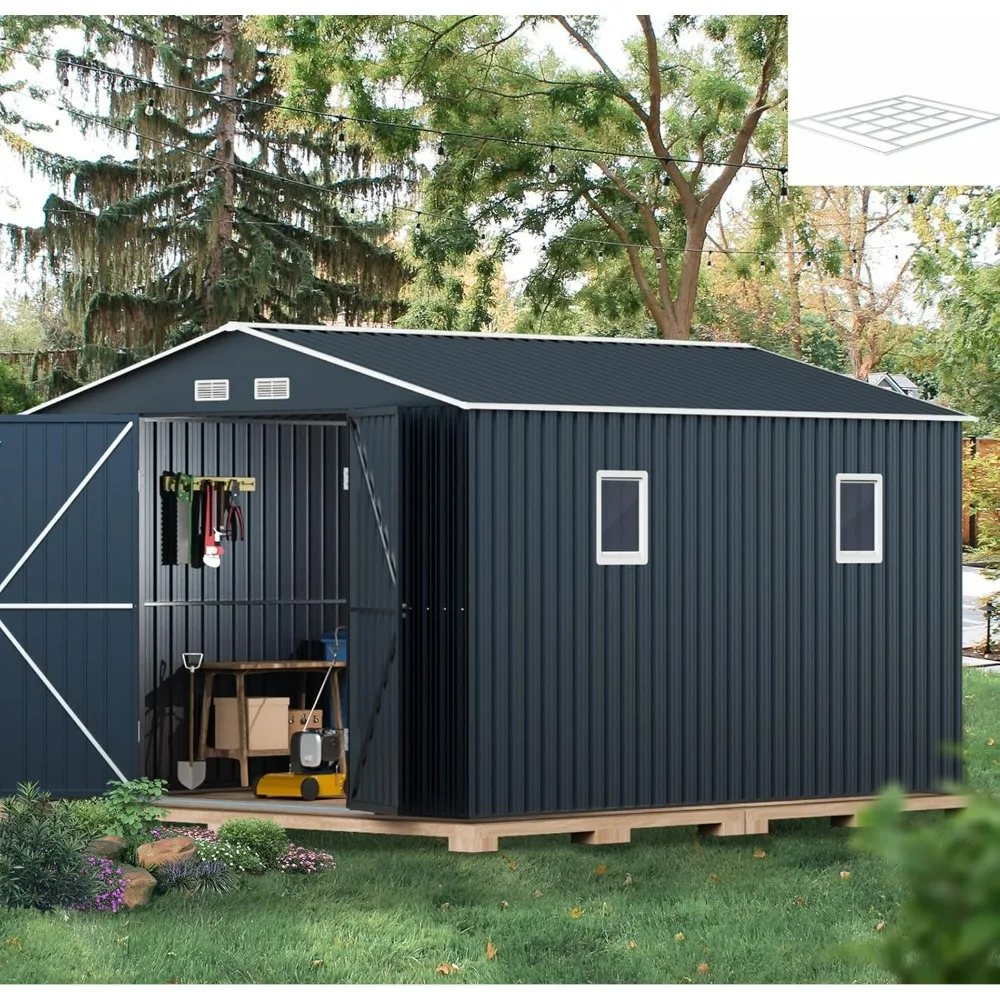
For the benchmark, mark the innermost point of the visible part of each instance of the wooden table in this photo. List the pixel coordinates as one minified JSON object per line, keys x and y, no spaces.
{"x":239,"y":671}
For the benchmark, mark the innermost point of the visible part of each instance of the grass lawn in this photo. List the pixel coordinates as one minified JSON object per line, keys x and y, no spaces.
{"x":396,"y":908}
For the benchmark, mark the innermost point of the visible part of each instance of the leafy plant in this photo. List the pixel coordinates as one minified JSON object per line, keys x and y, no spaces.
{"x":235,"y":856}
{"x":948,"y":925}
{"x":110,"y":894}
{"x":262,"y":836}
{"x":131,"y":811}
{"x":91,"y":816}
{"x":41,"y":854}
{"x":197,"y":875}
{"x":305,"y":861}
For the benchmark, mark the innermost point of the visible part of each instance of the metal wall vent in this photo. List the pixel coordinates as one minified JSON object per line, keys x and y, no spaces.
{"x":211,"y":390}
{"x":271,"y":388}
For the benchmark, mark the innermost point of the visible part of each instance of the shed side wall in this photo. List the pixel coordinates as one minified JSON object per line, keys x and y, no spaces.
{"x":742,"y":663}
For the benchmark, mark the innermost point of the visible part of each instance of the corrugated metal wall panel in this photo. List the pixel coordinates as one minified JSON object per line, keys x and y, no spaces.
{"x":275,"y":593}
{"x":88,"y":557}
{"x":743,"y":663}
{"x":376,"y":649}
{"x":434,"y":587}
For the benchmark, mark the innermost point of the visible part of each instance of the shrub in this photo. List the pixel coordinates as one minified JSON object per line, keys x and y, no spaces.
{"x":305,"y":861}
{"x":92,"y":817}
{"x":262,"y":836}
{"x":110,"y":895}
{"x":41,"y":854}
{"x":196,"y":876}
{"x":130,"y":807}
{"x":948,"y":925}
{"x":235,"y":856}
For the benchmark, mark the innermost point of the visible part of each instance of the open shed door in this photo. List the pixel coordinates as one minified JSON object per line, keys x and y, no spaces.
{"x":69,"y":577}
{"x":375,"y":640}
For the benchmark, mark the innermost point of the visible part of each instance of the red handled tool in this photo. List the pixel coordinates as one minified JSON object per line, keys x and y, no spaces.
{"x":213,"y":551}
{"x":234,"y":513}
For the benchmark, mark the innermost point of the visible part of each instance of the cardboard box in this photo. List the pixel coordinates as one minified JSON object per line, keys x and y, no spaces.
{"x":267,"y":719}
{"x":300,"y":719}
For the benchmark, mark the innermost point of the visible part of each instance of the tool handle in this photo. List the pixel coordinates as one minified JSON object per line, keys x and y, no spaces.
{"x":191,"y":719}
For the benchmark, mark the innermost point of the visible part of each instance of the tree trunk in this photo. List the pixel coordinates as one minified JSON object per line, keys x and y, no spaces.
{"x":225,"y":139}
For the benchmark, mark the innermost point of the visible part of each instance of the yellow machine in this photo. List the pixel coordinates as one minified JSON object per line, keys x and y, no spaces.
{"x":313,"y":756}
{"x":300,"y":786}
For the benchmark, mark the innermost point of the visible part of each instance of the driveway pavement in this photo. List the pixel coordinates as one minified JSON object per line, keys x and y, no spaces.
{"x":974,"y":588}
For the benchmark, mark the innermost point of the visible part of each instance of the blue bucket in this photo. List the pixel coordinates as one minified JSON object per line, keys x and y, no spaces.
{"x":335,"y":645}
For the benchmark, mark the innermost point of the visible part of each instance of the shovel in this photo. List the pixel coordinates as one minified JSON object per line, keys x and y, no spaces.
{"x":191,"y":773}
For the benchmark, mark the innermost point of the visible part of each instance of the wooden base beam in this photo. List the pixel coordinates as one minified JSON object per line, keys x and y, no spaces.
{"x":475,"y":837}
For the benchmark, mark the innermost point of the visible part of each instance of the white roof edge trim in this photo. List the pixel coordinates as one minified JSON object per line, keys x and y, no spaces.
{"x":350,"y":366}
{"x":131,"y":368}
{"x":495,"y":336}
{"x":687,"y":411}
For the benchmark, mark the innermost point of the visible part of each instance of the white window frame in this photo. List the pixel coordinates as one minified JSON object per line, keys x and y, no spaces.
{"x":637,"y":558}
{"x":872,"y":555}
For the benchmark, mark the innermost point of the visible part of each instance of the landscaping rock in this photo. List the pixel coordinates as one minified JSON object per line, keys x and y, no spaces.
{"x":139,"y":886}
{"x":106,"y":847}
{"x":169,"y":851}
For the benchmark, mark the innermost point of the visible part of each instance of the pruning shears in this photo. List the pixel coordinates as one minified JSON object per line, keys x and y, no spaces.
{"x":234,"y":512}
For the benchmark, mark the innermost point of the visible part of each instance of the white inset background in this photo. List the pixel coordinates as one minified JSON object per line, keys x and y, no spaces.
{"x":840,"y":62}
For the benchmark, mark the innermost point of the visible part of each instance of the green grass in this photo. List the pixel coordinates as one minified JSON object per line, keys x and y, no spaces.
{"x":396,"y":908}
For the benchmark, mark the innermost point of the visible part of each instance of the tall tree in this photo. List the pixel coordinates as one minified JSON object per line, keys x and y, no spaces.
{"x":208,"y":217}
{"x":699,"y":89}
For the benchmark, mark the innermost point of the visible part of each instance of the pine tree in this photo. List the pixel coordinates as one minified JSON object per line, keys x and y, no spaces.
{"x":211,"y":215}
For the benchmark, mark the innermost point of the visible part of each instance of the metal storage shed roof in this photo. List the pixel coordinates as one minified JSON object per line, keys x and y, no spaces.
{"x":531,"y":372}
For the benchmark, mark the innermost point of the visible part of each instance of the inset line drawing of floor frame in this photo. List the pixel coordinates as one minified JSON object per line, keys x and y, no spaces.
{"x":896,"y":123}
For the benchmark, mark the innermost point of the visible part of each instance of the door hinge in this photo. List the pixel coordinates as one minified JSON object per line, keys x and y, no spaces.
{"x":138,"y":477}
{"x":346,"y":476}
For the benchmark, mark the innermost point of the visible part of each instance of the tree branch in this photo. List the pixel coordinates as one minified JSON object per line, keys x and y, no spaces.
{"x":605,"y":68}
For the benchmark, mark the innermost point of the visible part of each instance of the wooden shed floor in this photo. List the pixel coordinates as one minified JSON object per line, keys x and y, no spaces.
{"x":476,"y":836}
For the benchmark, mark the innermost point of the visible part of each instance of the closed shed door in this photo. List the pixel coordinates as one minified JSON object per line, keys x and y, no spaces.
{"x":375,"y":642}
{"x":69,"y":702}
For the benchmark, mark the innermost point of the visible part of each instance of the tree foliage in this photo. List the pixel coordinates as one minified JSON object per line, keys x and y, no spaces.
{"x":702,"y":89}
{"x":207,"y":216}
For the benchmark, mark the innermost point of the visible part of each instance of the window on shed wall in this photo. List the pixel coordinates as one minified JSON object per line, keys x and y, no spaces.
{"x":622,"y":518}
{"x":859,"y":517}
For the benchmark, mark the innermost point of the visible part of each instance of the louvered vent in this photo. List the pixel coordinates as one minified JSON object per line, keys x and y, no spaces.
{"x":271,"y":388}
{"x":211,"y":390}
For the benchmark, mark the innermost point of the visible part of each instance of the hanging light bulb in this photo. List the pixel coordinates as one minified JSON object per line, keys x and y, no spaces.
{"x":911,"y":198}
{"x":341,"y":142}
{"x":281,"y":194}
{"x":138,"y":141}
{"x":65,"y":77}
{"x":665,"y":179}
{"x":441,"y":153}
{"x":708,"y":263}
{"x":241,"y":119}
{"x":600,"y":255}
{"x":659,"y":261}
{"x":244,"y":107}
{"x":418,"y":229}
{"x":784,"y":183}
{"x":150,"y":108}
{"x":210,"y":176}
{"x":763,"y":263}
{"x":551,"y":174}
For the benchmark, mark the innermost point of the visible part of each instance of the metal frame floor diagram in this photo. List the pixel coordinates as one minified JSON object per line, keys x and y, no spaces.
{"x":896,"y":123}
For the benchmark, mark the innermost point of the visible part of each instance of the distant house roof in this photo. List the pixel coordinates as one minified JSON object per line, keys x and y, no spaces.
{"x":895,"y":382}
{"x":525,"y":371}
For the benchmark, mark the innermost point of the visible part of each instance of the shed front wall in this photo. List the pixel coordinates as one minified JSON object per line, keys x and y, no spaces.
{"x":743,"y":663}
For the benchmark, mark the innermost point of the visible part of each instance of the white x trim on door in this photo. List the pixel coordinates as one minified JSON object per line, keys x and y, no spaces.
{"x":64,"y":607}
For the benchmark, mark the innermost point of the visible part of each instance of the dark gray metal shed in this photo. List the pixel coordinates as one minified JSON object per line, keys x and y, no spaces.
{"x":578,"y":573}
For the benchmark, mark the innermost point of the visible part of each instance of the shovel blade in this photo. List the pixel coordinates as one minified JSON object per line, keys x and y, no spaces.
{"x":191,"y":775}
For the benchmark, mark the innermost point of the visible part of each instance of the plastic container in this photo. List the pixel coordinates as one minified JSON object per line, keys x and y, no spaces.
{"x":335,"y":645}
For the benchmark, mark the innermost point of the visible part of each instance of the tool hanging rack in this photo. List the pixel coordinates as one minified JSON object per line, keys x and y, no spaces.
{"x":248,"y":484}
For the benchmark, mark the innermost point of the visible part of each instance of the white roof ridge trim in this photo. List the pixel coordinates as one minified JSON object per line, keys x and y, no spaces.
{"x":305,"y":327}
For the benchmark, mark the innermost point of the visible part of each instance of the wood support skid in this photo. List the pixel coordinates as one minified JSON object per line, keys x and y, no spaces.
{"x":477,"y":837}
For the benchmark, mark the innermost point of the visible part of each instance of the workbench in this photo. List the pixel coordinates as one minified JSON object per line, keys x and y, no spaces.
{"x":239,"y":671}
